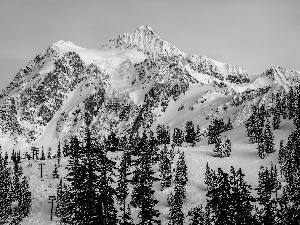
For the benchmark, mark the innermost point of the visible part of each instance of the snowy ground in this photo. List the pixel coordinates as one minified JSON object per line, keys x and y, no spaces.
{"x":244,"y":155}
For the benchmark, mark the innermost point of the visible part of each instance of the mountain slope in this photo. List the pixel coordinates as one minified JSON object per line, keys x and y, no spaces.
{"x":133,"y":80}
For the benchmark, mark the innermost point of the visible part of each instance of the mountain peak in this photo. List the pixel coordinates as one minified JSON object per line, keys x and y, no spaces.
{"x":143,"y":28}
{"x":146,"y":41}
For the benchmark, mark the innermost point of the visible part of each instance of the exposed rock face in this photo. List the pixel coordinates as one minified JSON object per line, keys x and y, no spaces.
{"x":148,"y":42}
{"x":203,"y":64}
{"x":283,"y":77}
{"x":133,"y":81}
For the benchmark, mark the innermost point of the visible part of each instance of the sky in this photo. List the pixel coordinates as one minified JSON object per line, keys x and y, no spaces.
{"x":253,"y":34}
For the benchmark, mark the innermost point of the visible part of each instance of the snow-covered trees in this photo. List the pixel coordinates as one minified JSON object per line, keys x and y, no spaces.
{"x":179,"y":195}
{"x":163,"y":134}
{"x":268,"y":184}
{"x":178,"y":137}
{"x":165,"y":168}
{"x":122,"y":186}
{"x":266,"y":142}
{"x":255,"y":124}
{"x":190,"y":135}
{"x":143,"y":178}
{"x":88,"y":198}
{"x":222,"y":149}
{"x":229,"y":200}
{"x":5,"y":191}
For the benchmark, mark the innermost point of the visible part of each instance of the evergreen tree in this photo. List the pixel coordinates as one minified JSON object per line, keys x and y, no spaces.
{"x":55,"y":172}
{"x":230,"y":199}
{"x":290,"y":168}
{"x":122,"y":186}
{"x":49,"y":153}
{"x":268,"y":139}
{"x":20,"y":194}
{"x":290,"y":103}
{"x":178,"y":137}
{"x":13,"y":156}
{"x":281,"y":152}
{"x":198,"y":134}
{"x":88,"y":199}
{"x":210,"y":178}
{"x":227,"y":148}
{"x":59,"y":210}
{"x":267,"y":184}
{"x":165,"y":168}
{"x":181,"y":171}
{"x":241,"y":207}
{"x":190,"y":133}
{"x":218,"y":150}
{"x":255,"y":124}
{"x":276,"y":119}
{"x":176,"y":213}
{"x":219,"y":200}
{"x":163,"y":134}
{"x":112,"y":142}
{"x":5,"y":191}
{"x":277,"y":112}
{"x":43,"y":155}
{"x":25,"y":200}
{"x":261,"y":150}
{"x":58,"y":155}
{"x":198,"y":216}
{"x":143,"y":178}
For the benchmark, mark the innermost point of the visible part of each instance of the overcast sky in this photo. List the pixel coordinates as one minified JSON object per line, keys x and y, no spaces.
{"x":254,"y":34}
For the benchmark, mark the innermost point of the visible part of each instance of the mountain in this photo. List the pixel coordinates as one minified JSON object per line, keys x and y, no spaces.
{"x":132,"y":81}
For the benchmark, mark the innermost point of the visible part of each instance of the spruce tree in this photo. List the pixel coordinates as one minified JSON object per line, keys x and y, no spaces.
{"x":261,"y":149}
{"x":218,"y":150}
{"x":281,"y":152}
{"x":178,"y":137}
{"x":241,"y":206}
{"x":216,"y":127}
{"x":43,"y":155}
{"x":181,"y":171}
{"x":122,"y":186}
{"x":198,"y":216}
{"x":165,"y":168}
{"x":219,"y":199}
{"x":89,"y":195}
{"x":190,"y":133}
{"x":59,"y":199}
{"x":143,"y":178}
{"x":267,"y":185}
{"x":176,"y":214}
{"x":25,"y":200}
{"x":227,"y":148}
{"x":20,"y":194}
{"x":268,"y":139}
{"x":49,"y":153}
{"x":198,"y":134}
{"x":290,"y":168}
{"x":58,"y":155}
{"x":55,"y":172}
{"x":5,"y":191}
{"x":210,"y":178}
{"x":276,"y":119}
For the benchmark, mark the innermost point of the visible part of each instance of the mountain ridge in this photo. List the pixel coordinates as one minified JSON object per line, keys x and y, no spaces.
{"x":133,"y":79}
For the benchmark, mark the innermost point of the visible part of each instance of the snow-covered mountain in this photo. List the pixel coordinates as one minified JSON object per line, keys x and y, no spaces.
{"x":133,"y":80}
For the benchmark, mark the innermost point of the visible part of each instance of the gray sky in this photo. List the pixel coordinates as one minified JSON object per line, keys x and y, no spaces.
{"x":254,"y":34}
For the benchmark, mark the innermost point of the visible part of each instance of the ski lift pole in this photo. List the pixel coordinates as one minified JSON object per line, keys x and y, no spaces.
{"x":51,"y":198}
{"x":41,"y":165}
